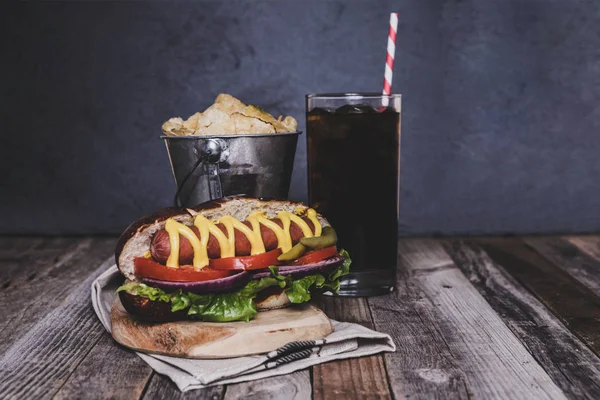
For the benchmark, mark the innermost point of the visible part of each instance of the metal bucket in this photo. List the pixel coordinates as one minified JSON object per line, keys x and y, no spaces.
{"x":210,"y":167}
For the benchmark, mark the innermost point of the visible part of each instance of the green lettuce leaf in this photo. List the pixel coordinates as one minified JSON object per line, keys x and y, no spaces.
{"x":239,"y":306}
{"x":144,"y":290}
{"x":299,"y":290}
{"x":344,"y":269}
{"x":222,"y":307}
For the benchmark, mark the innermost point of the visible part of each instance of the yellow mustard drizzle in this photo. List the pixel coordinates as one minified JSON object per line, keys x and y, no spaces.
{"x":174,"y":229}
{"x":227,"y":242}
{"x":312,"y":215}
{"x":253,"y":235}
{"x":260,"y":246}
{"x":299,"y":221}
{"x":284,"y":242}
{"x":207,"y":227}
{"x":203,"y":226}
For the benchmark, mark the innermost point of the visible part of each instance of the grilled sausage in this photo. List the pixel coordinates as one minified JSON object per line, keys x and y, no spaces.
{"x":160,"y":247}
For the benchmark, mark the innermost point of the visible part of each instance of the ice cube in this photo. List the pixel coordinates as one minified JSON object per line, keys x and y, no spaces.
{"x":322,"y":111}
{"x":355,"y":109}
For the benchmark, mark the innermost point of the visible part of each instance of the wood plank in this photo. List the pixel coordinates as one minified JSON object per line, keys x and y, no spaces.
{"x":24,"y":304}
{"x":575,"y":304}
{"x":588,"y":244}
{"x":494,"y":361}
{"x":161,"y":387}
{"x":346,"y":309}
{"x":580,"y":265}
{"x":22,"y":258}
{"x":355,"y":378}
{"x":569,"y":362}
{"x":108,"y":371}
{"x":294,"y":386}
{"x":10,"y":245}
{"x":422,"y":366}
{"x":41,"y":361}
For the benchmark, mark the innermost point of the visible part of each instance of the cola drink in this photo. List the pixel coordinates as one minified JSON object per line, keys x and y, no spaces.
{"x":353,"y":179}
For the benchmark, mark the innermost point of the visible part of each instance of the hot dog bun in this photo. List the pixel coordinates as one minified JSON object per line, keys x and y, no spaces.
{"x":137,"y":238}
{"x":150,"y":310}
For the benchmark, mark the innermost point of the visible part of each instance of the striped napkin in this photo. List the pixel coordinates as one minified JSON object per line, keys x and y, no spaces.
{"x":347,"y":341}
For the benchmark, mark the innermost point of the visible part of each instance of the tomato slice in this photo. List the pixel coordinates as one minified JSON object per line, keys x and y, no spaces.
{"x":316,"y":255}
{"x":147,"y":268}
{"x":258,"y":261}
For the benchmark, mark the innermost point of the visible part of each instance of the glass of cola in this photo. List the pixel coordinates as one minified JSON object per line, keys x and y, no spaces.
{"x":353,"y":145}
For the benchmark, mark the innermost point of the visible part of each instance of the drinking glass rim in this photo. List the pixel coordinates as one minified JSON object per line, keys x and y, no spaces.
{"x":353,"y":95}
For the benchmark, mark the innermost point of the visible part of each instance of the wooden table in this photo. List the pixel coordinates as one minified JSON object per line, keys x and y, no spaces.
{"x":483,"y":318}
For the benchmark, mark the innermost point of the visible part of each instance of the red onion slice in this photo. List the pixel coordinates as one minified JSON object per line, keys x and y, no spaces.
{"x":222,"y":285}
{"x":298,"y":271}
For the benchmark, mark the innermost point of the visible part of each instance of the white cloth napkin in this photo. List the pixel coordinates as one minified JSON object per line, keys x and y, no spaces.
{"x":347,"y":341}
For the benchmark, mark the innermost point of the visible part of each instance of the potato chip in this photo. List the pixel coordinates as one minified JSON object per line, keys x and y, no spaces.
{"x":174,"y":127}
{"x":192,"y":122}
{"x":229,"y":104}
{"x":211,"y":118}
{"x":229,"y":116}
{"x":290,"y":124}
{"x":247,"y":125}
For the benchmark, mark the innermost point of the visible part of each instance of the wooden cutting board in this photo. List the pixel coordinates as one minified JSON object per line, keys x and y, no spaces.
{"x":268,"y":331}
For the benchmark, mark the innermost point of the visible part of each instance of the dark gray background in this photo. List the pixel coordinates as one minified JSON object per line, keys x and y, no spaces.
{"x":501,"y":105}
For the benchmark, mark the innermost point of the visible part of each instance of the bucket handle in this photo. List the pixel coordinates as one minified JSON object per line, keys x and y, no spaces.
{"x":176,"y":199}
{"x":213,"y":151}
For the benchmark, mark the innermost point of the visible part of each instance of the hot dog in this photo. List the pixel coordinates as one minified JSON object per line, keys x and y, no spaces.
{"x":209,"y":276}
{"x":160,"y":247}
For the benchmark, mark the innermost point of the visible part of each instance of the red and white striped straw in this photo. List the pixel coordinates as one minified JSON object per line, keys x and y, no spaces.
{"x":389,"y":58}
